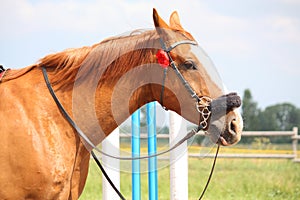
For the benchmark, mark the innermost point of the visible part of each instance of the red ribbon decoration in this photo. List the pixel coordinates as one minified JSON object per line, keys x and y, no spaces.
{"x":163,"y":58}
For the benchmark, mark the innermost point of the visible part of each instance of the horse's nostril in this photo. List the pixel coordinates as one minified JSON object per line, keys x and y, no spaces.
{"x":233,"y":126}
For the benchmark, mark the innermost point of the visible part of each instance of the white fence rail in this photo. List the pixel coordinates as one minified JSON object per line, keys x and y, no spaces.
{"x":292,"y":134}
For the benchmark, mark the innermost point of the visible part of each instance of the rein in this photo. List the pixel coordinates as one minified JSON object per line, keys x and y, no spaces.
{"x":82,"y":135}
{"x":204,"y":105}
{"x":89,"y":142}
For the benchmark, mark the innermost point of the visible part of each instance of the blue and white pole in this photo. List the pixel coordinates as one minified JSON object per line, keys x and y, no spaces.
{"x":135,"y":148}
{"x":152,"y":149}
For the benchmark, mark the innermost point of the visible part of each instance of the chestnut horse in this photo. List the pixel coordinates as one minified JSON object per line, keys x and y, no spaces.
{"x":42,"y":156}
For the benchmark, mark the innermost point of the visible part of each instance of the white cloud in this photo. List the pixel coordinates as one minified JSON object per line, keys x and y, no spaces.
{"x":284,"y":29}
{"x":68,"y":16}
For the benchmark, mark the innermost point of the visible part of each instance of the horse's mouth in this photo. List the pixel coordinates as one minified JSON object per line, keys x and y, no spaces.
{"x":222,"y":141}
{"x":223,"y":135}
{"x":227,"y":141}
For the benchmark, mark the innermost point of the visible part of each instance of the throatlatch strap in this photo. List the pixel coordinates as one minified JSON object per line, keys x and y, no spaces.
{"x":163,"y":89}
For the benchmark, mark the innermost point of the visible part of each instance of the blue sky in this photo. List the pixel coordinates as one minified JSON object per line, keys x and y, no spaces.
{"x":254,"y":44}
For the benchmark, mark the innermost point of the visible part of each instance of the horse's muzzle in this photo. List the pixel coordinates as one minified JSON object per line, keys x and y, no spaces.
{"x":226,"y":124}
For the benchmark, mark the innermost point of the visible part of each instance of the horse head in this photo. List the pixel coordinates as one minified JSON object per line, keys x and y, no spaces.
{"x":192,"y":87}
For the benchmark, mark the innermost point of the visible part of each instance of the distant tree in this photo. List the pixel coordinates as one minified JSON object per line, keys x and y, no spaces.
{"x":250,"y":112}
{"x":280,"y":117}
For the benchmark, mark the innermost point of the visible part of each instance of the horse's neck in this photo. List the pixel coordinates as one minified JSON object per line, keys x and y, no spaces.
{"x":107,"y":91}
{"x":120,"y":94}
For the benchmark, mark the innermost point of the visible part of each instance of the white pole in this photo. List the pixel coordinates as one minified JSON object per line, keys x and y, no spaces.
{"x":178,"y":159}
{"x":111,"y":145}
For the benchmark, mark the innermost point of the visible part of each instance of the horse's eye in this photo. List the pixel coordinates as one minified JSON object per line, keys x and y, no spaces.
{"x":189,"y":65}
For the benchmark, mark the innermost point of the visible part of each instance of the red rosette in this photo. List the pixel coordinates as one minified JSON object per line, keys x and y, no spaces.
{"x":162,"y":58}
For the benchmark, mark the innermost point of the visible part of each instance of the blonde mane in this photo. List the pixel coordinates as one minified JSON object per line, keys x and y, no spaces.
{"x":131,"y":49}
{"x":66,"y":64}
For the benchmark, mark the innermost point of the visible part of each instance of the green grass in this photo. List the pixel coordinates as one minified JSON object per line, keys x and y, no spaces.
{"x":233,"y":179}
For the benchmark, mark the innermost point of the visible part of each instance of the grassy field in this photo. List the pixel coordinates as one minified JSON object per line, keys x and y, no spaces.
{"x":236,"y":179}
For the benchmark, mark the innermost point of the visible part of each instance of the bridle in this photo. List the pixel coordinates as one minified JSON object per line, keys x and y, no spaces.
{"x":202,"y":103}
{"x":204,"y":106}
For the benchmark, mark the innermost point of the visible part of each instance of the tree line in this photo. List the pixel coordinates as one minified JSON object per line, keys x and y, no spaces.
{"x":278,"y":117}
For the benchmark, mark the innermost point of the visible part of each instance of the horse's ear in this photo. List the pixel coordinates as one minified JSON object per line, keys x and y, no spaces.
{"x":158,"y":21}
{"x":176,"y":25}
{"x":175,"y":21}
